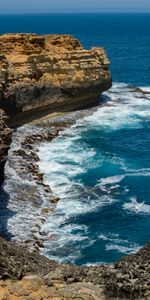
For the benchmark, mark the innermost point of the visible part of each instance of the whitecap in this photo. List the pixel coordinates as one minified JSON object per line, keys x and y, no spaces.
{"x":65,"y":159}
{"x":123,"y":249}
{"x":145,"y":89}
{"x":108,"y":185}
{"x":111,"y":179}
{"x":137,"y":207}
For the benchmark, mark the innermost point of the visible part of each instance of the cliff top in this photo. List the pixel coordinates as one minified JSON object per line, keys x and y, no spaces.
{"x":127,"y":279}
{"x":45,"y":71}
{"x":30,"y":43}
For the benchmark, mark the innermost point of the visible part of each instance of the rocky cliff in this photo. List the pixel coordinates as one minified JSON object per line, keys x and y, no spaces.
{"x":41,"y":74}
{"x":5,"y":140}
{"x":47,"y":73}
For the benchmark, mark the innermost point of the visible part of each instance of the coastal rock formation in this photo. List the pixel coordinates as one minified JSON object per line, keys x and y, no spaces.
{"x":27,"y":275}
{"x":47,"y":73}
{"x":130,"y":277}
{"x":5,"y":140}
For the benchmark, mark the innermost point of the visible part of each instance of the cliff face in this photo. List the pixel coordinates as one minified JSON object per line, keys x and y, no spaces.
{"x":5,"y":140}
{"x":49,"y":72}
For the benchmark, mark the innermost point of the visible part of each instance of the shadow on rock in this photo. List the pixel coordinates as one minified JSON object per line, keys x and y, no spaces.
{"x":5,"y":213}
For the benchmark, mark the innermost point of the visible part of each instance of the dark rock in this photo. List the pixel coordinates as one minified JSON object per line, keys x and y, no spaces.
{"x":130,"y":278}
{"x":5,"y":140}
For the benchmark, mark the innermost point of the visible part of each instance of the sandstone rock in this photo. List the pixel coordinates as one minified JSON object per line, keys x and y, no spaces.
{"x":48,"y":73}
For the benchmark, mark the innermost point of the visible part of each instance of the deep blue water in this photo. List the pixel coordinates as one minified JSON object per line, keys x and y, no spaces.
{"x":125,"y":37}
{"x":100,"y":167}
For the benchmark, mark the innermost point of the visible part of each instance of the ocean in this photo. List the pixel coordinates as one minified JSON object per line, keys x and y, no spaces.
{"x":100,"y":166}
{"x":125,"y":37}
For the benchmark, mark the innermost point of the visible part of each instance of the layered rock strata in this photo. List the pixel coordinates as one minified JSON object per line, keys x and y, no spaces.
{"x":47,"y":73}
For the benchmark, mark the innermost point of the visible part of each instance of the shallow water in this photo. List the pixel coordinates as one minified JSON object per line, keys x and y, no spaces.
{"x":101,"y":171}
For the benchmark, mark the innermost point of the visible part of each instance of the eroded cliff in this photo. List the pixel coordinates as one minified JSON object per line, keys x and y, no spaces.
{"x":47,"y":73}
{"x":5,"y":140}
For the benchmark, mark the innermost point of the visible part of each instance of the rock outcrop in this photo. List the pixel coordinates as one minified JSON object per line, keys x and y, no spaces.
{"x":26,"y":275}
{"x":5,"y":140}
{"x":41,"y":74}
{"x":130,"y":277}
{"x":47,"y":73}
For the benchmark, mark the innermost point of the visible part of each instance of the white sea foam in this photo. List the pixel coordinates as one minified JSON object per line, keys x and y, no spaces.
{"x":120,"y":112}
{"x":115,"y":243}
{"x":25,"y":198}
{"x":144,"y":172}
{"x":107,"y":184}
{"x":111,"y":179}
{"x":66,"y":158}
{"x":62,"y":161}
{"x":122,"y":249}
{"x":137,"y":207}
{"x":145,"y":89}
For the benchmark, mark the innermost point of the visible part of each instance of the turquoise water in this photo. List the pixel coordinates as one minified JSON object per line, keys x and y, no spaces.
{"x":100,"y":167}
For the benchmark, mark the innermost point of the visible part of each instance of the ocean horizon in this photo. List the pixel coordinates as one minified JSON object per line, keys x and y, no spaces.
{"x":124,"y":36}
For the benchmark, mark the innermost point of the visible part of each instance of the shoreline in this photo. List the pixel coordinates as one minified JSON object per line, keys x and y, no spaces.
{"x":23,"y":154}
{"x":110,"y":284}
{"x":44,"y":75}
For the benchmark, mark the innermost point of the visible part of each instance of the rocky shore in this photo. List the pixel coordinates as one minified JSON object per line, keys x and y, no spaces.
{"x":30,"y":200}
{"x":27,"y":275}
{"x":40,"y":75}
{"x":5,"y":141}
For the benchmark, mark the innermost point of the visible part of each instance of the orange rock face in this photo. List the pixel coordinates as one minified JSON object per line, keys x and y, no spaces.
{"x":41,"y":73}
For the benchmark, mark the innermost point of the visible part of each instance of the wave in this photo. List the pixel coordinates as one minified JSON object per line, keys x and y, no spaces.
{"x":113,"y":242}
{"x":126,"y":108}
{"x":72,"y":235}
{"x":145,"y":88}
{"x":123,"y":249}
{"x":70,"y":164}
{"x":23,"y":214}
{"x":70,"y":157}
{"x":137,"y":207}
{"x":107,"y":184}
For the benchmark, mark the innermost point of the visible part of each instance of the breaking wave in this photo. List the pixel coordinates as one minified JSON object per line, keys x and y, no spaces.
{"x":99,"y":168}
{"x":95,"y":167}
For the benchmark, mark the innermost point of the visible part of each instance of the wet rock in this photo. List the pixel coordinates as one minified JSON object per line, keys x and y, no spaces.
{"x":47,"y":210}
{"x":5,"y":141}
{"x":55,"y":199}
